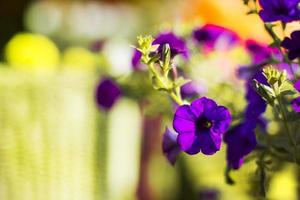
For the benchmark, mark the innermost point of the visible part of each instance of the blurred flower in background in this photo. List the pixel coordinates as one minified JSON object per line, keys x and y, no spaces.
{"x":32,"y":51}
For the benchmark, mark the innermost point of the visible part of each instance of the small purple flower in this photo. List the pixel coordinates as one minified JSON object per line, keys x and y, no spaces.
{"x":289,"y":68}
{"x":259,"y":52}
{"x":292,"y":45}
{"x":170,"y":147}
{"x":215,"y":37}
{"x":200,"y":126}
{"x":297,"y":85}
{"x":256,"y":104}
{"x":240,"y":141}
{"x":107,"y":93}
{"x":283,"y":10}
{"x":296,"y":104}
{"x":176,"y":43}
{"x":246,"y":72}
{"x":136,"y":60}
{"x":191,"y":90}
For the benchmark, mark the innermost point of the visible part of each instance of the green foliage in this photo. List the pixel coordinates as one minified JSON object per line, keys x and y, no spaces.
{"x":160,"y":66}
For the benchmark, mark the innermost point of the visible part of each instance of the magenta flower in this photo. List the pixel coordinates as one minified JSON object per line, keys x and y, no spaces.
{"x":200,"y":126}
{"x":296,"y":104}
{"x":170,"y":147}
{"x":176,"y":43}
{"x":213,"y":37}
{"x":259,"y":52}
{"x":107,"y":93}
{"x":240,"y":141}
{"x":292,"y":45}
{"x":283,"y":10}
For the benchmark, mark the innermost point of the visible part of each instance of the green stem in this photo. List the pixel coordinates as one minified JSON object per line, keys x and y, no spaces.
{"x":277,"y":43}
{"x":285,"y":124}
{"x":174,"y":95}
{"x":176,"y":98}
{"x":262,"y":177}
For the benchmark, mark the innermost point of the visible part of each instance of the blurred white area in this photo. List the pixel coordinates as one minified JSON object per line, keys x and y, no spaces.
{"x":124,"y":150}
{"x":118,"y":53}
{"x":44,"y":17}
{"x":82,"y":21}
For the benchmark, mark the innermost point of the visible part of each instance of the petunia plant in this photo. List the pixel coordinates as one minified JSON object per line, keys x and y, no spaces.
{"x":201,"y":122}
{"x":271,"y":88}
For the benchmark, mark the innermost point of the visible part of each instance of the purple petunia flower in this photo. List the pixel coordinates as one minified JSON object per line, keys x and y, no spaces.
{"x":296,"y":104}
{"x":240,"y":141}
{"x":256,"y":104}
{"x":297,"y":85}
{"x":107,"y":93}
{"x":170,"y":147}
{"x":259,"y":52}
{"x":177,"y":44}
{"x":283,"y":10}
{"x":191,"y":90}
{"x":136,"y":60}
{"x":215,"y":37}
{"x":200,"y":126}
{"x":292,"y":45}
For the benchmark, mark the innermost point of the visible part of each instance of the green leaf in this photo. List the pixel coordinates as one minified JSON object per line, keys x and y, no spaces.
{"x":264,"y":91}
{"x":166,"y":58}
{"x":180,"y":82}
{"x":154,"y":59}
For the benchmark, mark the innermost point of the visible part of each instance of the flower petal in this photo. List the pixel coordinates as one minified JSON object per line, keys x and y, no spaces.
{"x":210,"y":142}
{"x":221,"y":119}
{"x":296,"y":104}
{"x":201,"y":105}
{"x":297,"y":85}
{"x":189,"y":143}
{"x":169,"y":146}
{"x":184,"y":120}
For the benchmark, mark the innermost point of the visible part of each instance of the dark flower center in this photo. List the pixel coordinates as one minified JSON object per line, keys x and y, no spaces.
{"x":203,"y":124}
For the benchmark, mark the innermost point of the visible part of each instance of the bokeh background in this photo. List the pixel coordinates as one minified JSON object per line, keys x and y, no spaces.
{"x":54,"y":141}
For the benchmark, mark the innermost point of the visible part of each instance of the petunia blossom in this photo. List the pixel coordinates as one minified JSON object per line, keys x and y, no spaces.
{"x":191,"y":90}
{"x":177,"y":44}
{"x":170,"y":147}
{"x":136,"y":60}
{"x":213,"y":37}
{"x":297,"y":85}
{"x":279,"y":10}
{"x":200,"y":126}
{"x":107,"y":93}
{"x":296,"y":104}
{"x":240,"y":141}
{"x":256,"y":104}
{"x":292,"y":45}
{"x":259,"y":52}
